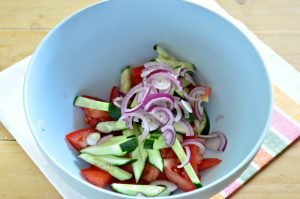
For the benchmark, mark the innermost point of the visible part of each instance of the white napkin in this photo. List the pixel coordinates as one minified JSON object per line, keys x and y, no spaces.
{"x":11,"y":104}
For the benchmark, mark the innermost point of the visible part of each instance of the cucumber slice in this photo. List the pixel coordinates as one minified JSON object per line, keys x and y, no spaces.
{"x":162,"y":53}
{"x":116,"y":172}
{"x":107,"y":127}
{"x":113,"y":111}
{"x":133,"y":189}
{"x":184,"y":82}
{"x":119,"y":146}
{"x":117,"y":161}
{"x":203,"y":127}
{"x":155,"y":159}
{"x":140,"y":154}
{"x":157,"y":141}
{"x":177,"y":148}
{"x":125,"y":79}
{"x":173,"y":63}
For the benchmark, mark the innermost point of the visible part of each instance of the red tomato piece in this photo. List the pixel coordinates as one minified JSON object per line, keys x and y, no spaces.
{"x":177,"y":176}
{"x":115,"y":92}
{"x":167,"y":153}
{"x":136,"y":75}
{"x":150,"y":173}
{"x":78,"y":138}
{"x":97,"y":176}
{"x":100,"y":116}
{"x":208,"y":163}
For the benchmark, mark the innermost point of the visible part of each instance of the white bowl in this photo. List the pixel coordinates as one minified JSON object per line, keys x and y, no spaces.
{"x":85,"y":53}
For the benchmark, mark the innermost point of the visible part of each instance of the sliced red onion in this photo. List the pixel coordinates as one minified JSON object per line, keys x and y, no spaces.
{"x":103,"y":139}
{"x":199,"y":111}
{"x":188,"y":157}
{"x":199,"y":90}
{"x":93,"y":138}
{"x":151,"y":67}
{"x":190,"y":79}
{"x":194,"y":142}
{"x":169,"y":134}
{"x":169,"y":185}
{"x":153,"y":123}
{"x":139,"y":116}
{"x":178,"y":112}
{"x":162,"y":114}
{"x":188,"y":97}
{"x":161,"y":83}
{"x":188,"y":126}
{"x":185,"y":112}
{"x":124,"y":108}
{"x":166,"y":74}
{"x":143,"y":93}
{"x":151,"y":99}
{"x":118,"y":101}
{"x":215,"y":140}
{"x":186,"y":106}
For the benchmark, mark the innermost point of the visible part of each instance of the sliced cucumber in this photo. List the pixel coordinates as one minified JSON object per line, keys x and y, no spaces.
{"x":140,"y":154}
{"x":179,"y":128}
{"x":162,"y":53}
{"x":117,"y":161}
{"x":125,"y":79}
{"x":174,"y":64}
{"x":155,"y":159}
{"x":191,"y":118}
{"x":203,"y":127}
{"x":177,"y":148}
{"x":184,"y":82}
{"x":107,"y":127}
{"x":133,"y":189}
{"x":119,"y":145}
{"x":157,"y":141}
{"x":102,"y":164}
{"x":113,"y":111}
{"x":178,"y":93}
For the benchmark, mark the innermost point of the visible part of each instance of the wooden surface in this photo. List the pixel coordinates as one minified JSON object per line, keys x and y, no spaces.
{"x":23,"y":23}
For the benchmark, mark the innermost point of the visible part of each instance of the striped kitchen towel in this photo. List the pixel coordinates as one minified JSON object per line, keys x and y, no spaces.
{"x":284,"y":130}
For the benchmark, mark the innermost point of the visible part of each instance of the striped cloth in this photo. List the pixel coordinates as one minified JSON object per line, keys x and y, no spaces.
{"x":284,"y":130}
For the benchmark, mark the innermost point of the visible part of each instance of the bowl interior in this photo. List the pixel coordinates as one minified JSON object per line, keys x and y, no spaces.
{"x":85,"y":54}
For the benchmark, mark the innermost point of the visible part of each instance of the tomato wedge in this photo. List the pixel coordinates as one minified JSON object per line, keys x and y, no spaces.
{"x":115,"y":92}
{"x":208,"y":163}
{"x":136,"y":75}
{"x":78,"y":138}
{"x":97,"y":176}
{"x":167,"y":153}
{"x":94,"y":116}
{"x":150,"y":173}
{"x":177,"y":176}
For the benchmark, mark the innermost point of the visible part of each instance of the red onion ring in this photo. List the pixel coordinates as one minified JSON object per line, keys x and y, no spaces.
{"x":190,"y":130}
{"x":188,"y":157}
{"x":129,"y":95}
{"x":118,"y":101}
{"x":185,"y":112}
{"x":178,"y":112}
{"x":215,"y":140}
{"x":194,"y":142}
{"x":157,"y":97}
{"x":169,"y":134}
{"x":163,"y":114}
{"x":168,"y":75}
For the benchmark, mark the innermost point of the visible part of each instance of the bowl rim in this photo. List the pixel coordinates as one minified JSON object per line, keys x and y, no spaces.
{"x":238,"y":167}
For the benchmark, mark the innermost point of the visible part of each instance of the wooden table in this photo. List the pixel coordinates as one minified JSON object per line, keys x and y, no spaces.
{"x":23,"y":23}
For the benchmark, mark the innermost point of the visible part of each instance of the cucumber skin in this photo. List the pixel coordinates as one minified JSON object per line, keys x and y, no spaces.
{"x":130,"y":145}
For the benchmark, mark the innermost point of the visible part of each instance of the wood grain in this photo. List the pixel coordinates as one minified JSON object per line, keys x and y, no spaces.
{"x":19,"y":177}
{"x":23,"y":23}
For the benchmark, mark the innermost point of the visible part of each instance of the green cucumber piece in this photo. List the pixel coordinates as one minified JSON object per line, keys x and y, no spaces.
{"x":203,"y":127}
{"x":125,"y":79}
{"x":155,"y":159}
{"x":184,"y":82}
{"x":162,"y":53}
{"x":179,"y":151}
{"x":84,"y":102}
{"x":109,"y":126}
{"x":157,"y":141}
{"x":119,"y":146}
{"x":133,"y":189}
{"x":174,"y":64}
{"x":117,"y":161}
{"x":140,"y":154}
{"x":116,"y":172}
{"x":191,"y":118}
